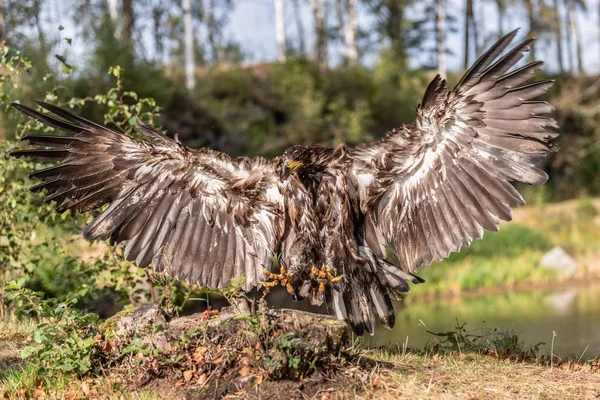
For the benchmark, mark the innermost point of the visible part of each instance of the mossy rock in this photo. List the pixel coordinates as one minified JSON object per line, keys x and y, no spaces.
{"x":276,"y":344}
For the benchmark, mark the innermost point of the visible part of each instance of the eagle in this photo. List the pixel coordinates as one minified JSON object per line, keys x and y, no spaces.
{"x":329,"y":216}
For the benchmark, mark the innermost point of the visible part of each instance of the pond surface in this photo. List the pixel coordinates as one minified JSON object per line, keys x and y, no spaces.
{"x":573,"y":312}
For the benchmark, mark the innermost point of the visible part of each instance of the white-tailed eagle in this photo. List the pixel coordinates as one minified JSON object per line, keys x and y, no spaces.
{"x":426,"y":189}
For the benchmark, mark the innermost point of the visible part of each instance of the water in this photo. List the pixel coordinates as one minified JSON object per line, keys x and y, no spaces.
{"x":574,"y":313}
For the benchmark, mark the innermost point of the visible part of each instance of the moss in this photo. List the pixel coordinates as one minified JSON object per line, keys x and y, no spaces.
{"x":110,"y":326}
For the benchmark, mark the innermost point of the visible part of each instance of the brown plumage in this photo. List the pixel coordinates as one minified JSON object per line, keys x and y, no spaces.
{"x":424,"y":190}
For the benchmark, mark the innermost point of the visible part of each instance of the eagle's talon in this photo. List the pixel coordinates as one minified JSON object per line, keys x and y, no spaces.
{"x":324,"y":276}
{"x":283,"y":279}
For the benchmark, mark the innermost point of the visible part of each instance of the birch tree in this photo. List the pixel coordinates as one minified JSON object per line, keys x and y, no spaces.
{"x":113,"y":9}
{"x":319,"y":11}
{"x":529,"y":7}
{"x":128,"y":20}
{"x":559,"y":39}
{"x":347,"y":29}
{"x":300,"y":27}
{"x":280,"y":29}
{"x":501,"y":7}
{"x":572,"y":6}
{"x":470,"y":32}
{"x":441,"y":36}
{"x":2,"y":28}
{"x":190,"y":79}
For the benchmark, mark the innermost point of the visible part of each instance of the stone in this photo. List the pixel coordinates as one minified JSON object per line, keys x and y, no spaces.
{"x":558,"y":260}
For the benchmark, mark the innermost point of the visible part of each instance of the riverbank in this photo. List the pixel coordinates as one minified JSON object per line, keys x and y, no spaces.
{"x":511,"y":258}
{"x":494,"y":368}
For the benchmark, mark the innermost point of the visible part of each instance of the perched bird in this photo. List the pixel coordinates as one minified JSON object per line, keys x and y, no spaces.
{"x":331,"y":214}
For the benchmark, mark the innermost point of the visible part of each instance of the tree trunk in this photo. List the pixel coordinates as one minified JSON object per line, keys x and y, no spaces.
{"x":2,"y":26}
{"x":468,"y":18}
{"x":559,"y":43}
{"x":569,"y":31}
{"x":575,"y":25}
{"x":501,"y":15}
{"x":393,"y":27}
{"x":128,"y":20}
{"x":208,"y":16}
{"x":299,"y":27}
{"x":113,"y":9}
{"x":441,"y":36}
{"x":190,"y":79}
{"x":340,"y":11}
{"x":320,"y":17}
{"x":352,"y":32}
{"x":532,"y":25}
{"x":280,"y":29}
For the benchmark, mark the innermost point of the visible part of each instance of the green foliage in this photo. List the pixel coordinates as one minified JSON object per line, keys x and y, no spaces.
{"x":510,"y":240}
{"x":505,"y":258}
{"x":44,"y":248}
{"x":586,"y":209}
{"x":482,"y":341}
{"x":64,"y":336}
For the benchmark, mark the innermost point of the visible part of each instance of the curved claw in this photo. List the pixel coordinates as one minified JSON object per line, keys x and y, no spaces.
{"x":283,"y":279}
{"x":324,"y":276}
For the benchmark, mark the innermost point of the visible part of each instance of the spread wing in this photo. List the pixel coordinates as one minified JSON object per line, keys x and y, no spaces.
{"x":198,"y":215}
{"x":434,"y":185}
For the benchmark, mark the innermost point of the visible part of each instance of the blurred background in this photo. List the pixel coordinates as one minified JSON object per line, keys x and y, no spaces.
{"x":256,"y":76}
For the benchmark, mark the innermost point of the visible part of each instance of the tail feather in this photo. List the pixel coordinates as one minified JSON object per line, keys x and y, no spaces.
{"x":383,"y":306}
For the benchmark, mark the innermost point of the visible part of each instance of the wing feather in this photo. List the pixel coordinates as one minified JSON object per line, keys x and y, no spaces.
{"x":196,"y":214}
{"x":445,"y":178}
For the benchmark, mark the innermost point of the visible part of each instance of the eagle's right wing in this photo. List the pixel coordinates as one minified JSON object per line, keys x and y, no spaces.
{"x":434,"y":185}
{"x":195,"y":214}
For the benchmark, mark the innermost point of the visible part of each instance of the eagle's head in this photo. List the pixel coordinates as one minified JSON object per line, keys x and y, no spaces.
{"x":304,"y":160}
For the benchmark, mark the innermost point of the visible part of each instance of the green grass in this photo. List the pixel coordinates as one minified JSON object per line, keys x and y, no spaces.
{"x":459,"y":364}
{"x":505,"y":258}
{"x":512,"y":256}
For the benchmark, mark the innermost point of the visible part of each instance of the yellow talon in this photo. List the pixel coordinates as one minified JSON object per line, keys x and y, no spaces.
{"x":282,"y":279}
{"x":324,"y":276}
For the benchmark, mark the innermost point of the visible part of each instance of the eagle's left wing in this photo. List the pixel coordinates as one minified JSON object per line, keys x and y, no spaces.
{"x":198,"y":215}
{"x":433,"y":186}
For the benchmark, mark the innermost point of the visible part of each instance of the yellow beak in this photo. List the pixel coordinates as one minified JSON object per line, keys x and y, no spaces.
{"x":293,"y":165}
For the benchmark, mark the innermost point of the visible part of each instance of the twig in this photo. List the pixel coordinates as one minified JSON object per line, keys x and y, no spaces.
{"x":581,"y":356}
{"x":552,"y":351}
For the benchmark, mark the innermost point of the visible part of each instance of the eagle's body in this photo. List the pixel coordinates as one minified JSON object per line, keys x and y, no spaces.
{"x":424,"y":190}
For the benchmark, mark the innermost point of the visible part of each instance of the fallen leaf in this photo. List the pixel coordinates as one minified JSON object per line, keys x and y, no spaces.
{"x":71,"y":395}
{"x":199,"y":353}
{"x":244,"y":371}
{"x":202,"y":379}
{"x":326,"y":396}
{"x":108,"y":345}
{"x":85,"y":388}
{"x":187,"y":375}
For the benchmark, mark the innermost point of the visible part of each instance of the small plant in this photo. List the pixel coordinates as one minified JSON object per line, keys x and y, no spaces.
{"x":585,"y":208}
{"x":484,"y":341}
{"x":64,"y":337}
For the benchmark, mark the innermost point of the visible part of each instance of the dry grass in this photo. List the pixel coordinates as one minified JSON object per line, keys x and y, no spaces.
{"x":480,"y":377}
{"x":373,"y":374}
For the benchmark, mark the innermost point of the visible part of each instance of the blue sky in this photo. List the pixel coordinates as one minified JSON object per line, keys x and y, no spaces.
{"x":252,"y":25}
